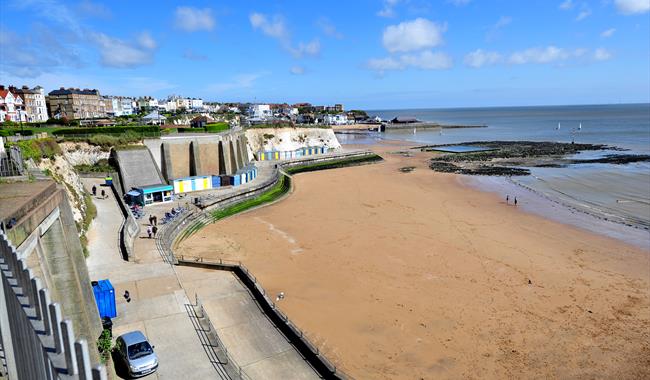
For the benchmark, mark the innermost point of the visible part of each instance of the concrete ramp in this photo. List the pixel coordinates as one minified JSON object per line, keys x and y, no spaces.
{"x":137,"y":168}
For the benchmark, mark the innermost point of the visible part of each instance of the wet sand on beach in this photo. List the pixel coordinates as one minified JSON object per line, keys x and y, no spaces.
{"x":416,"y":276}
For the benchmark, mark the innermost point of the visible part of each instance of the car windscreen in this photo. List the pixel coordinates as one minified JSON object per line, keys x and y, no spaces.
{"x":139,"y":350}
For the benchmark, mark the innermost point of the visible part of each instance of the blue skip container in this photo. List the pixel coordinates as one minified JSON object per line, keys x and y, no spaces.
{"x":105,"y":298}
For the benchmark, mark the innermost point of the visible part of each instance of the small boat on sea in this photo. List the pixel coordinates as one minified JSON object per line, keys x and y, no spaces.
{"x":559,"y":126}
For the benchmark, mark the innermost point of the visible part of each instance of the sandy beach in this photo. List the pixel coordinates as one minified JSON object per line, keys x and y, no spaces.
{"x":417,"y":276}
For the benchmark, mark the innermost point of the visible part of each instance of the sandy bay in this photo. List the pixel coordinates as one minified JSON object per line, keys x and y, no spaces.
{"x":414,"y":275}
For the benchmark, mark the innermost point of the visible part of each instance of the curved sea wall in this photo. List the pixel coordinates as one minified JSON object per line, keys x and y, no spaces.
{"x":290,"y":139}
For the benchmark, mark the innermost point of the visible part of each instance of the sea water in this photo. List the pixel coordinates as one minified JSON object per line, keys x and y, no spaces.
{"x":620,"y":193}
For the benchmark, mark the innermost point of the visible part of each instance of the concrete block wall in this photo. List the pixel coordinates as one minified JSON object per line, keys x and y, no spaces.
{"x":180,"y":156}
{"x":37,"y":340}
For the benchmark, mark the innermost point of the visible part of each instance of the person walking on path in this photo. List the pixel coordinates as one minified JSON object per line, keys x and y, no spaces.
{"x":151,"y":220}
{"x":94,"y":191}
{"x":155,"y":220}
{"x":154,"y":229}
{"x":149,"y":231}
{"x":103,"y":193}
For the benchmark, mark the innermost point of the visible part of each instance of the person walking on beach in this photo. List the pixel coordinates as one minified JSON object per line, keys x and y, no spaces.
{"x":154,"y":229}
{"x":507,"y":199}
{"x":515,"y":201}
{"x":149,"y":231}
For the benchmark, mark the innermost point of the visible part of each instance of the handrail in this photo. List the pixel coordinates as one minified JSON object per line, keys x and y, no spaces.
{"x":231,"y":360}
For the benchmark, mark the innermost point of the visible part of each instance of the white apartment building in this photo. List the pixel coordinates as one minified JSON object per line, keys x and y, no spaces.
{"x":338,"y":119}
{"x":12,"y":107}
{"x":260,"y":111}
{"x":196,"y":104}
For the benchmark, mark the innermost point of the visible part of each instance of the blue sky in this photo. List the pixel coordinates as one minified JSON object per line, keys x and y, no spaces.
{"x":365,"y":54}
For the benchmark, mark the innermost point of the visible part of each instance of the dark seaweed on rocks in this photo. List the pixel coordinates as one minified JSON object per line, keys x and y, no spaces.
{"x":506,"y":158}
{"x":516,"y":149}
{"x":447,"y":167}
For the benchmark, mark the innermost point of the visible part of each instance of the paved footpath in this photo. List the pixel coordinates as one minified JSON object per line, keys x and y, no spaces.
{"x":158,"y":307}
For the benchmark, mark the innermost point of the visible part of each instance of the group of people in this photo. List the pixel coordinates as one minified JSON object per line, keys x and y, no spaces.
{"x":95,"y":192}
{"x":508,"y":200}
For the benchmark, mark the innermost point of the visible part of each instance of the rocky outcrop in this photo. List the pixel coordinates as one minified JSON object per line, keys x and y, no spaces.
{"x":82,"y":153}
{"x":289,"y":139}
{"x":63,"y":173}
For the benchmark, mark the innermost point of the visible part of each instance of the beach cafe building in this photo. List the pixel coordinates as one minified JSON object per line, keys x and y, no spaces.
{"x":152,"y":194}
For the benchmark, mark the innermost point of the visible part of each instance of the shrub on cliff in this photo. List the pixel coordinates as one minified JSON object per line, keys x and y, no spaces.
{"x":37,"y":149}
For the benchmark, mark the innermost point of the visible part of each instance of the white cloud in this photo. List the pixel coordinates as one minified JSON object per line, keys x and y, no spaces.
{"x":192,"y":19}
{"x":328,"y":28}
{"x":297,"y":70}
{"x":277,"y":29}
{"x":539,"y":55}
{"x":459,"y":3}
{"x":566,"y":5}
{"x":479,"y":58}
{"x":535,"y":55}
{"x":388,"y":9}
{"x":311,"y":48}
{"x":424,"y":60}
{"x":122,"y":54}
{"x":584,"y":13}
{"x":602,"y":54}
{"x":242,"y":81}
{"x":608,"y":33}
{"x":413,"y":35}
{"x":629,"y":7}
{"x":146,"y":41}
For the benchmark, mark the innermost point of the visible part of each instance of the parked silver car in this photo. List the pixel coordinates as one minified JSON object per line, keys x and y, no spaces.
{"x":136,"y":354}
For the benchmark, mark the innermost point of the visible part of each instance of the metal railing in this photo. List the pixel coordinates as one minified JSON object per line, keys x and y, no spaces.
{"x":310,"y":352}
{"x":11,"y":163}
{"x":229,"y":359}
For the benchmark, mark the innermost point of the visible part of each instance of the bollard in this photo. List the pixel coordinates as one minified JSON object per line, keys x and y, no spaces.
{"x":68,"y":347}
{"x":55,"y":320}
{"x":83,"y":359}
{"x":44,"y":297}
{"x":36,"y":287}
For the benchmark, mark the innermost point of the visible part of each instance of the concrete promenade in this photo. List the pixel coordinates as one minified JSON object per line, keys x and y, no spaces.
{"x":158,"y":307}
{"x":252,"y":340}
{"x":161,"y":299}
